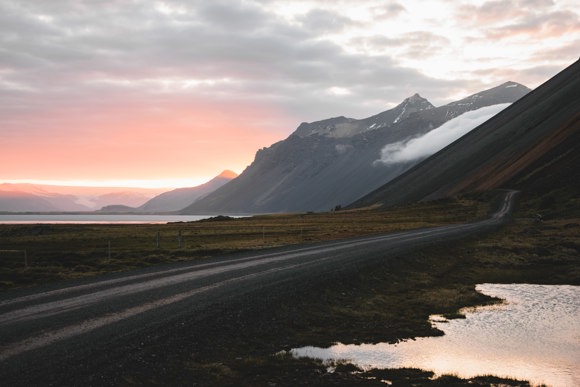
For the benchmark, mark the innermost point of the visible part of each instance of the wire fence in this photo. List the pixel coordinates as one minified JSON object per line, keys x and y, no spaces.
{"x":23,"y":252}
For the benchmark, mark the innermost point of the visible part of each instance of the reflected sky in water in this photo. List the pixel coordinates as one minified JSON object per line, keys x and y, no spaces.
{"x":534,"y":335}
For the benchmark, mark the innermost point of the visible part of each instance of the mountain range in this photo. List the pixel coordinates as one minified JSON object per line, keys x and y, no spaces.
{"x":532,"y":146}
{"x":336,"y":161}
{"x":52,"y":198}
{"x":504,"y":137}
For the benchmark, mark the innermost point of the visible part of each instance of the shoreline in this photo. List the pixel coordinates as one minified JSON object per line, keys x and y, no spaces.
{"x":382,"y":303}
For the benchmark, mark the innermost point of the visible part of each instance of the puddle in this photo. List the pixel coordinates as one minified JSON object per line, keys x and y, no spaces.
{"x":534,"y":335}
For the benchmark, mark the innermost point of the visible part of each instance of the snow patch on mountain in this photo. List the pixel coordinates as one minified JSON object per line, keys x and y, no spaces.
{"x":413,"y":104}
{"x":344,"y":127}
{"x":437,"y":139}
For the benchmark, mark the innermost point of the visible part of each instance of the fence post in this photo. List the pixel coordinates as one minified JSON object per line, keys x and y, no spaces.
{"x":18,"y":251}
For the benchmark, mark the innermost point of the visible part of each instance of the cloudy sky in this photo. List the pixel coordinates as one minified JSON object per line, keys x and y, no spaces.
{"x":172,"y":92}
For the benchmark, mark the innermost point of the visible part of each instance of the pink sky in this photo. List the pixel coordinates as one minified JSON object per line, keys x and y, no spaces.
{"x":170,"y":93}
{"x":173,"y":144}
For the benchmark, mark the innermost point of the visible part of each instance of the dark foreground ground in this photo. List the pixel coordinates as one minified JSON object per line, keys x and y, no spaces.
{"x":240,"y":344}
{"x":376,"y":304}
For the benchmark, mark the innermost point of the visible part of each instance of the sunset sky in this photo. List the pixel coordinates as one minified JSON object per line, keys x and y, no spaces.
{"x":170,"y":93}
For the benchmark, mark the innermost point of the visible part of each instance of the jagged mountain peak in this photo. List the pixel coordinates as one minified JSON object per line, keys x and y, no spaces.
{"x":507,"y":92}
{"x":329,"y":127}
{"x":411,"y":105}
{"x":501,"y":94}
{"x":341,"y":127}
{"x":418,"y":101}
{"x":408,"y":106}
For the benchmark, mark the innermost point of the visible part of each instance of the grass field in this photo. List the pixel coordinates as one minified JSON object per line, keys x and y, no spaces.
{"x":385,"y":303}
{"x":38,"y":253}
{"x":388,"y":302}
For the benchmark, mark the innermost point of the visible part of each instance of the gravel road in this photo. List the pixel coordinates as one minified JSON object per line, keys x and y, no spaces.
{"x":52,"y":335}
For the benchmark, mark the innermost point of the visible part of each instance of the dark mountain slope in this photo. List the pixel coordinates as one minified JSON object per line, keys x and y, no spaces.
{"x":551,"y":183}
{"x":531,"y":145}
{"x":332,"y":162}
{"x":181,"y":197}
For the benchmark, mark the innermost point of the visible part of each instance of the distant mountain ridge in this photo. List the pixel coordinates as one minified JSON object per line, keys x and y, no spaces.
{"x":18,"y":201}
{"x":332,"y":162}
{"x":347,"y":127}
{"x":48,"y":198}
{"x":52,"y":198}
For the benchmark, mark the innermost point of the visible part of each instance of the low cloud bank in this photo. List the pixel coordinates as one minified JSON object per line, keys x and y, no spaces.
{"x":437,"y":139}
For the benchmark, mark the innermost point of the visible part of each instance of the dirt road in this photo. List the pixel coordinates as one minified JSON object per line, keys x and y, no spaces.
{"x":49,"y":334}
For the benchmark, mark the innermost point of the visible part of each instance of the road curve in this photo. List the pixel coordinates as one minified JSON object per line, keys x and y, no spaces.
{"x":65,"y":319}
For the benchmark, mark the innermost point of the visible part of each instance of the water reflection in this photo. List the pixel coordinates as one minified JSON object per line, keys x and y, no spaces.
{"x":534,"y":335}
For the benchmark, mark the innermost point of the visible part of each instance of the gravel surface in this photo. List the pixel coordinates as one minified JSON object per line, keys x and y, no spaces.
{"x":95,"y":332}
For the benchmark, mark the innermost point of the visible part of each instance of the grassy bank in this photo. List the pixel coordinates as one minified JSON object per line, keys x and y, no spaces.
{"x":33,"y":254}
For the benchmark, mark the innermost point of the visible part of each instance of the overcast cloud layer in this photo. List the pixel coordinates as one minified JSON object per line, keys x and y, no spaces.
{"x":183,"y":89}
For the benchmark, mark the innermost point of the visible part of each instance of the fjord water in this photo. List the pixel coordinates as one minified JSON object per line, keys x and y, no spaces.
{"x":533,"y":335}
{"x":95,"y":218}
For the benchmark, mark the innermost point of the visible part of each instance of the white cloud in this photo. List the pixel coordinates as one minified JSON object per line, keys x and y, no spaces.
{"x":336,"y":90}
{"x":437,"y":139}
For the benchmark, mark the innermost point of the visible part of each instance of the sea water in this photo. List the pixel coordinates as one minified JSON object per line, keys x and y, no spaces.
{"x":533,"y":335}
{"x":95,"y":218}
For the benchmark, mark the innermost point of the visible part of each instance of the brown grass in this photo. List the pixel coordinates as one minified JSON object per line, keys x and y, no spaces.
{"x":385,"y":303}
{"x":65,"y":251}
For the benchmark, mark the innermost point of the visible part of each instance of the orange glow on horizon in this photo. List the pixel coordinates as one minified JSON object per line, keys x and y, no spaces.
{"x":158,"y":184}
{"x":140,"y":145}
